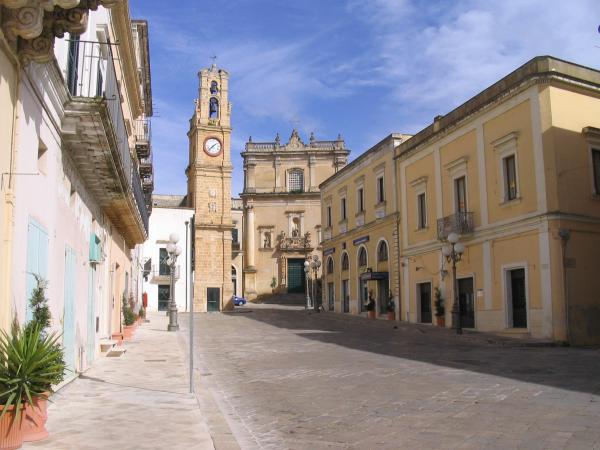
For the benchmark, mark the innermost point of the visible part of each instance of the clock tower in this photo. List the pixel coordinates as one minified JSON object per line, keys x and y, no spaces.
{"x":209,"y":191}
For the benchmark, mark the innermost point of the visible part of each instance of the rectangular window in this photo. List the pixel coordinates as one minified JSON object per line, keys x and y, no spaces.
{"x":329,"y":216}
{"x":234,"y":235}
{"x":360,"y":200}
{"x":296,"y":181}
{"x":380,"y":190}
{"x":596,"y":163}
{"x":163,"y":268}
{"x":460,"y":194}
{"x":421,"y":211}
{"x":510,"y":178}
{"x":343,"y":208}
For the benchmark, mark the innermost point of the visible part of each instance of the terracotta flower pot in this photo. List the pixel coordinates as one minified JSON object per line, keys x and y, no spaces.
{"x":11,"y":433}
{"x":440,"y":321}
{"x":371,"y":314}
{"x":391,"y":315}
{"x":128,"y":331}
{"x":34,"y":419}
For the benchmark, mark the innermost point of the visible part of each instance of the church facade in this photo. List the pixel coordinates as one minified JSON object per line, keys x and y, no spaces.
{"x":282,"y":204}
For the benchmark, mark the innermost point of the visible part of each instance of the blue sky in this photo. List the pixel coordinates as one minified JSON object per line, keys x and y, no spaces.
{"x":362,"y":68}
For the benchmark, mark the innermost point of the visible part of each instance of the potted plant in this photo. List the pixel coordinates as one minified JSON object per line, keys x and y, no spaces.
{"x":391,"y":313}
{"x":128,"y":319}
{"x":439,"y":308}
{"x":36,"y":412}
{"x":370,"y":306}
{"x":273,"y":284}
{"x":31,"y":362}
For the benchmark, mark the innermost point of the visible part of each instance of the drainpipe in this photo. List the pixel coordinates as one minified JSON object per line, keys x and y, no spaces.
{"x":564,"y":236}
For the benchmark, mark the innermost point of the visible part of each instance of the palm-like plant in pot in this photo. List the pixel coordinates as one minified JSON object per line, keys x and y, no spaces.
{"x":31,"y":362}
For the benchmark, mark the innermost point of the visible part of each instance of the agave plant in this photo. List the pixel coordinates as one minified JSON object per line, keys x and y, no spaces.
{"x":30,"y":363}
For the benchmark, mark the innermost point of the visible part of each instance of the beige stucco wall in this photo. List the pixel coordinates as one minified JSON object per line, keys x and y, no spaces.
{"x":8,"y":100}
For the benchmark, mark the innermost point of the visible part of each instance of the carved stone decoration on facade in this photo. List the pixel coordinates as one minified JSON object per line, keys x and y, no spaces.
{"x":32,"y":25}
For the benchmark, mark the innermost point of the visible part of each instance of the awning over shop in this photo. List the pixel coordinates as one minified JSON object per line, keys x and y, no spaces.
{"x":366,"y":276}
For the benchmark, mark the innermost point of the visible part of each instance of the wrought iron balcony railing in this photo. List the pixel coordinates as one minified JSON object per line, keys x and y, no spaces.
{"x":95,"y":107}
{"x":142,"y":132}
{"x":160,"y":273}
{"x":460,"y":223}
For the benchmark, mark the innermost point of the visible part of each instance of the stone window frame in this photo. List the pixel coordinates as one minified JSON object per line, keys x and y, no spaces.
{"x":289,"y":174}
{"x":458,"y":169}
{"x":592,"y":136}
{"x":345,"y":261}
{"x":505,"y":147}
{"x":380,"y":194}
{"x":330,"y":265}
{"x":383,"y":244}
{"x":420,"y":188}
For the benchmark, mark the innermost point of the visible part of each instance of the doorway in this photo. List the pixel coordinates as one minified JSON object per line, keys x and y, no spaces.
{"x":213,"y":297}
{"x":467,"y":302}
{"x":424,"y":297}
{"x":383,"y":296}
{"x":345,"y":296}
{"x":330,"y":296}
{"x":517,"y":298}
{"x":234,"y":280}
{"x":296,"y":276}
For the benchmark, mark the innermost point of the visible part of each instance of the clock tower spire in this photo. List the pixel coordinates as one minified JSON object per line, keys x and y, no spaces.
{"x":209,"y":191}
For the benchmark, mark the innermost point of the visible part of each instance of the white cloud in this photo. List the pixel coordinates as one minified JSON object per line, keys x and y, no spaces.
{"x":437,"y":55}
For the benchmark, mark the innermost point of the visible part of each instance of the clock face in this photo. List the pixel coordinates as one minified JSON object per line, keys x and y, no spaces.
{"x":212,"y":146}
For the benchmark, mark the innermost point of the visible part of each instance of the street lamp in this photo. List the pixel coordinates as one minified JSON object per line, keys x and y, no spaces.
{"x":174,"y":251}
{"x":306,"y":273}
{"x":453,"y":252}
{"x":314,"y":265}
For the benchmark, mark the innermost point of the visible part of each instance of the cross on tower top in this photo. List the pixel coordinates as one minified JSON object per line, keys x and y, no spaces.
{"x":214,"y":60}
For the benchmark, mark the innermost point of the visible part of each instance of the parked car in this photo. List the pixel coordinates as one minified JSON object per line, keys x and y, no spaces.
{"x":239,"y":301}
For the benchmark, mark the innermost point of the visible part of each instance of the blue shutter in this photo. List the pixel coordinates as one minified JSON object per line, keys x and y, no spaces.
{"x":37,"y":260}
{"x":69,"y":311}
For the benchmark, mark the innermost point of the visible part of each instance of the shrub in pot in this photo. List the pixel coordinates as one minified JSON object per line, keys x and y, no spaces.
{"x":391,"y":314}
{"x":128,"y":319}
{"x":35,"y":415}
{"x":31,"y":362}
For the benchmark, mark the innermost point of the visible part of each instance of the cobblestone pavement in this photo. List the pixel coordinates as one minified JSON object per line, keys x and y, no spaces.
{"x":284,"y":378}
{"x":140,"y":400}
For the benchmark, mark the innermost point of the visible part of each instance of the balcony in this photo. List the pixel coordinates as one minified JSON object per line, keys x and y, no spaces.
{"x":142,"y":132}
{"x":148,"y":183}
{"x":96,"y":137}
{"x":460,"y":223}
{"x":146,"y":165}
{"x":162,"y":274}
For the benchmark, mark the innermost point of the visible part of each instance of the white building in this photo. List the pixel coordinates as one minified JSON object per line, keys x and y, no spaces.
{"x":169,"y":215}
{"x":79,"y":203}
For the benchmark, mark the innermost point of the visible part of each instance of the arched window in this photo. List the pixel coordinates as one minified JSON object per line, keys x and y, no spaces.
{"x":296,"y":180}
{"x":382,"y":252}
{"x":362,"y":257}
{"x":213,"y":109}
{"x":345,"y":261}
{"x":214,"y":87}
{"x":330,"y":265}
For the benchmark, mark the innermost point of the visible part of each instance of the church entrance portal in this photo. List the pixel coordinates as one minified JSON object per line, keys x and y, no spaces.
{"x":295,"y":277}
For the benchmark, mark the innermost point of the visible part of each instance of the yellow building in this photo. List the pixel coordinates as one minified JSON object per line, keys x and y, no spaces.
{"x":515,"y":171}
{"x":360,"y":240}
{"x":282,"y":210}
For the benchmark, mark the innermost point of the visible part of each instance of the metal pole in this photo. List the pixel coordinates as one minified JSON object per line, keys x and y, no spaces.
{"x":173,"y":325}
{"x":191,"y":300}
{"x":307,"y":292}
{"x":456,"y":305}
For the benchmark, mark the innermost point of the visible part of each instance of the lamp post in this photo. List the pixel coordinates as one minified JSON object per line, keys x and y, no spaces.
{"x":314,"y":265}
{"x":306,"y":274}
{"x":453,"y":251}
{"x":174,"y":251}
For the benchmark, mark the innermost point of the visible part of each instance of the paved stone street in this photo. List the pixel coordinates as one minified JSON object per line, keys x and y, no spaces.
{"x":140,"y":400}
{"x":284,"y":378}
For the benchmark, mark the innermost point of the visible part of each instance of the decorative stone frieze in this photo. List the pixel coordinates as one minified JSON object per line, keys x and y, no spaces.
{"x":31,"y":26}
